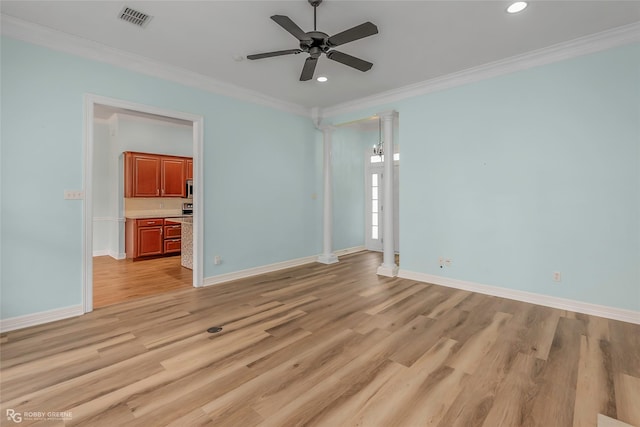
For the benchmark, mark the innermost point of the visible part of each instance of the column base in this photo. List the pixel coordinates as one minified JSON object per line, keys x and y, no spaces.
{"x":386,"y":270}
{"x":327,"y":259}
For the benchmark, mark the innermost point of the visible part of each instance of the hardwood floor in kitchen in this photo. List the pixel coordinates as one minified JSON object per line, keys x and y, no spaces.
{"x":331,"y":345}
{"x":116,"y":281}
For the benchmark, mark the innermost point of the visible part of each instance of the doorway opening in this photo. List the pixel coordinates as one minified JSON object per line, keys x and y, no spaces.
{"x":374,"y":206}
{"x":110,"y":277}
{"x":360,"y":189}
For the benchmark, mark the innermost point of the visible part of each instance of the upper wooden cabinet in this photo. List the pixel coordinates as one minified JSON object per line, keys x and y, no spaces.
{"x":143,"y":179}
{"x":155,"y":175}
{"x":173,"y":177}
{"x":189,"y":168}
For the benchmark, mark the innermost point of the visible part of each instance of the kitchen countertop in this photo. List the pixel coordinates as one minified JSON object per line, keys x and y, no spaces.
{"x":182,"y":219}
{"x":188,"y":219}
{"x":155,"y":214}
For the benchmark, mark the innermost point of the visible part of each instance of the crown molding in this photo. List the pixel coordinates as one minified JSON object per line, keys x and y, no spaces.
{"x":64,"y":42}
{"x":68,"y":43}
{"x":581,"y":46}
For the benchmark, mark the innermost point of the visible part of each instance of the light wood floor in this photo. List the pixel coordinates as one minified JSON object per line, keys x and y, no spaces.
{"x":326,"y":345}
{"x":117,"y":281}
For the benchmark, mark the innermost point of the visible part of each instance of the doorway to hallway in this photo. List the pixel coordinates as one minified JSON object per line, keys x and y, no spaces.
{"x":374,"y":206}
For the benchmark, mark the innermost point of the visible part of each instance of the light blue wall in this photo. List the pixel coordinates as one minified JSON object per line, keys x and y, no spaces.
{"x":259,"y":174}
{"x":348,"y":150}
{"x":526,"y":174}
{"x":513,"y":177}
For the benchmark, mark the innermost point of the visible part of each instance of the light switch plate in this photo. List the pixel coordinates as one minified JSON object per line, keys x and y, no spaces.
{"x":73,"y":194}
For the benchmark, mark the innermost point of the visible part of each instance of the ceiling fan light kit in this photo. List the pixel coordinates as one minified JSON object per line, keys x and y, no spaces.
{"x":315,"y":43}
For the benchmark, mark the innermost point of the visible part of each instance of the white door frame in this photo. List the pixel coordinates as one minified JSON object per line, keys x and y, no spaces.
{"x":87,"y":215}
{"x":369,"y":169}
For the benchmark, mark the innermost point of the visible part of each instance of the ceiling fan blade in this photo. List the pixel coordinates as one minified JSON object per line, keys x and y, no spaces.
{"x":351,"y":61}
{"x":308,"y":69}
{"x":286,"y":23}
{"x":276,"y":53}
{"x":359,"y":32}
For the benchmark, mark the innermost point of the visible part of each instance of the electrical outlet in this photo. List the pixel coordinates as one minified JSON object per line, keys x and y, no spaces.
{"x":557,"y":276}
{"x":217,"y":260}
{"x":73,"y":194}
{"x":444,"y":262}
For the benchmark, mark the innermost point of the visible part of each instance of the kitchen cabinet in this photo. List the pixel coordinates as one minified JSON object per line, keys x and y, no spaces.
{"x":155,"y":175}
{"x":173,"y":177}
{"x":150,"y":241}
{"x":144,"y":237}
{"x":189,"y":168}
{"x":152,"y":237}
{"x":142,"y":175}
{"x":172,"y":237}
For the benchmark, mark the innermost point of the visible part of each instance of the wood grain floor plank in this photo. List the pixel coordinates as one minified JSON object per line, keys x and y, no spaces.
{"x":446,"y":305}
{"x":493,"y":366}
{"x":326,"y":345}
{"x":476,"y":347}
{"x":512,"y":396}
{"x":595,"y":393}
{"x":116,"y":281}
{"x":556,"y":378}
{"x":397,"y":399}
{"x":627,"y":398}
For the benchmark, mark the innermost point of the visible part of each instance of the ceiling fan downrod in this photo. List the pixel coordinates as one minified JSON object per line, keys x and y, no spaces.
{"x":315,"y":4}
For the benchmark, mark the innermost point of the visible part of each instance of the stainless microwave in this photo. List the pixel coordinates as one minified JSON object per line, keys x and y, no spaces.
{"x":189,"y":189}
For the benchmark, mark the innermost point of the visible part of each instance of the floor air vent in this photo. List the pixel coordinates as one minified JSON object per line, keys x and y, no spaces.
{"x":135,"y":17}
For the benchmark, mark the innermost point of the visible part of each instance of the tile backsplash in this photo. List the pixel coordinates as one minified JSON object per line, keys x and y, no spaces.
{"x":155,"y":205}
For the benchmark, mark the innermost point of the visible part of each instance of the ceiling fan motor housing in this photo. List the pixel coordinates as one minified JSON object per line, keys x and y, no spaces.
{"x":316,"y":43}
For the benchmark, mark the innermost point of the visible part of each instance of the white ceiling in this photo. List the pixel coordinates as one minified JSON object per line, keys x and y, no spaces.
{"x":417,"y":40}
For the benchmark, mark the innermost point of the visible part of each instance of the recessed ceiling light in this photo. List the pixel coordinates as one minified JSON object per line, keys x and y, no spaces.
{"x":322,"y":79}
{"x":516,"y":7}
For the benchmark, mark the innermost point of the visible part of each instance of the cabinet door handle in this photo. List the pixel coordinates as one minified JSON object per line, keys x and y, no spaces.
{"x":161,"y":231}
{"x":157,"y":192}
{"x":151,"y":222}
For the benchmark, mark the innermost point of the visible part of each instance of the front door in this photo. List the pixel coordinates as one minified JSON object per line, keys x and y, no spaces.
{"x":374,"y":191}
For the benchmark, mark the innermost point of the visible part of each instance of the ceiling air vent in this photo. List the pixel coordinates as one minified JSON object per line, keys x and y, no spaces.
{"x":135,"y":17}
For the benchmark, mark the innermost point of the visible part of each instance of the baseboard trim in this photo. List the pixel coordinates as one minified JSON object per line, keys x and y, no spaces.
{"x":255,"y":271}
{"x":349,"y":251}
{"x":112,"y":254}
{"x":19,"y":322}
{"x":614,"y":313}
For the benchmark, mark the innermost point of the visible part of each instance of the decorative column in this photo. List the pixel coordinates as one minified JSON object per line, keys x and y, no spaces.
{"x":327,"y":257}
{"x":388,"y":266}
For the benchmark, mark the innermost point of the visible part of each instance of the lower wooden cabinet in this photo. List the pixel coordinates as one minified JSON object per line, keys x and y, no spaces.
{"x":172,"y":237}
{"x":151,"y":237}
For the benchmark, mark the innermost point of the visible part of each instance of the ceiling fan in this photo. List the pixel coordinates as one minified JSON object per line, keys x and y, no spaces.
{"x":315,"y":43}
